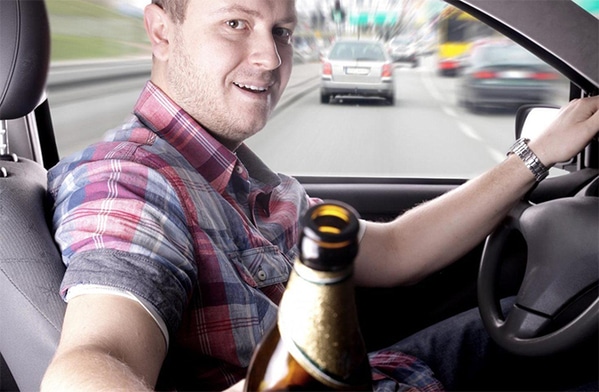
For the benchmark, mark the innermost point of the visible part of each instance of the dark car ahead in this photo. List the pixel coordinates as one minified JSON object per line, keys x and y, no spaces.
{"x":502,"y":74}
{"x":357,"y":68}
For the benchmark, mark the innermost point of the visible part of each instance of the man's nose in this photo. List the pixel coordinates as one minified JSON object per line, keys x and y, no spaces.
{"x":264,"y":51}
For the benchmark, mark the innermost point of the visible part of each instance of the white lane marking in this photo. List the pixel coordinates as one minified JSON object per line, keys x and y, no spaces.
{"x":466,"y":129}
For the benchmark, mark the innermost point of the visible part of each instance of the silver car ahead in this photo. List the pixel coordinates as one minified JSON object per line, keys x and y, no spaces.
{"x":357,"y":68}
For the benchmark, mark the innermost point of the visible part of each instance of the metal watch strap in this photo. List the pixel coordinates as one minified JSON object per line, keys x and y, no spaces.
{"x":529,"y":158}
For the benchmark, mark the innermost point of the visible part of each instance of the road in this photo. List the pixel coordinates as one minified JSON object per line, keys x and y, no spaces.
{"x":425,"y":134}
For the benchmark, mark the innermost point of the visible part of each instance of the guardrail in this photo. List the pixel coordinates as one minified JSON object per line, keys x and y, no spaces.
{"x":67,"y":74}
{"x":72,"y":81}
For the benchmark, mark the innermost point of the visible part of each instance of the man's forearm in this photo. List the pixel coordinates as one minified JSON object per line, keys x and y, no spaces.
{"x":433,"y":235}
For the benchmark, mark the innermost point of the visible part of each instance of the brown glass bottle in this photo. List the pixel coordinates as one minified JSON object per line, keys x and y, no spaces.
{"x":316,"y":344}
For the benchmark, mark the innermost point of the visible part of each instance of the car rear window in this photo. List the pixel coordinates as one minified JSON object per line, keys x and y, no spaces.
{"x":357,"y":51}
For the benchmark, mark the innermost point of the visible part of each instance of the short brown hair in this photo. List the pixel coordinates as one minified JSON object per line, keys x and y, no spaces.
{"x":176,"y":9}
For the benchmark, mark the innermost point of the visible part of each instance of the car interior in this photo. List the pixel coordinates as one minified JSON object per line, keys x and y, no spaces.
{"x":566,"y":207}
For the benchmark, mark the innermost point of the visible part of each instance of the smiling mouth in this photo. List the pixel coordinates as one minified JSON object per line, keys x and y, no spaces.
{"x":250,"y":88}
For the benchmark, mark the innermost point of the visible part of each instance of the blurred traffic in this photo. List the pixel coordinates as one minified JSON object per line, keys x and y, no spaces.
{"x":499,"y":73}
{"x":411,"y":30}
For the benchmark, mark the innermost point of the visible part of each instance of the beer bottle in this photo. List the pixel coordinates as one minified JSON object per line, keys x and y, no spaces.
{"x":316,"y":344}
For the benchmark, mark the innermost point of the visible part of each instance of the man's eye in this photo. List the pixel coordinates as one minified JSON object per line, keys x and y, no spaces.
{"x":282,"y":35}
{"x":236,"y":24}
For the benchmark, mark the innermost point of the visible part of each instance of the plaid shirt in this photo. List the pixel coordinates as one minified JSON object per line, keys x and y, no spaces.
{"x":204,"y":236}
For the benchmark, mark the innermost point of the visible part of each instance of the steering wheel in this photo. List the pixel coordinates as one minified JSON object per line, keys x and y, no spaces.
{"x":561,"y":276}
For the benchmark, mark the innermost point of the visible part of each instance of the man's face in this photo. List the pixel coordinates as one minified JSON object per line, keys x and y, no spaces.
{"x":229,"y":62}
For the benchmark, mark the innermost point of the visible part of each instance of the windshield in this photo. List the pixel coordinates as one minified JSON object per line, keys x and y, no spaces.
{"x":415,"y":119}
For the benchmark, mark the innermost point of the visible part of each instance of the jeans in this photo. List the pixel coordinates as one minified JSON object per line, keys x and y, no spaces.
{"x":464,"y":357}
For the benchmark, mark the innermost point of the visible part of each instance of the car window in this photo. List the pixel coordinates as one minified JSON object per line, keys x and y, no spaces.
{"x":426,"y":129}
{"x":357,"y":51}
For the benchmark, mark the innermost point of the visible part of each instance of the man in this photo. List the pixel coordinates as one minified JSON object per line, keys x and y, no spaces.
{"x":178,"y":241}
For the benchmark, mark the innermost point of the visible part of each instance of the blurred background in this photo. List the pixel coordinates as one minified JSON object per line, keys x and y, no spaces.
{"x":444,"y":67}
{"x":77,"y":33}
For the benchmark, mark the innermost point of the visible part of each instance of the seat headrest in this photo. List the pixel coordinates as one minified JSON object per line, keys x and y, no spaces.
{"x":24,"y":56}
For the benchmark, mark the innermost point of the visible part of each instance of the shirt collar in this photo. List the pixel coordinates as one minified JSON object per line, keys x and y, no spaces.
{"x":206,"y":154}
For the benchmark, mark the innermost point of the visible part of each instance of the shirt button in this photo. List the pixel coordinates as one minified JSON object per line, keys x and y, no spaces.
{"x":262,"y":275}
{"x":239,"y":169}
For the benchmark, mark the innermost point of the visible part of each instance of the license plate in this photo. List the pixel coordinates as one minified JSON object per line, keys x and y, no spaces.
{"x":514,"y":74}
{"x":357,"y":71}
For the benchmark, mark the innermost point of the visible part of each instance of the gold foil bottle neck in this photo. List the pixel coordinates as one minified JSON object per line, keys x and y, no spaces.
{"x":316,"y":303}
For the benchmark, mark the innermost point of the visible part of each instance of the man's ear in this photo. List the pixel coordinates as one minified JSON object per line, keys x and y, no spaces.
{"x":158,"y":26}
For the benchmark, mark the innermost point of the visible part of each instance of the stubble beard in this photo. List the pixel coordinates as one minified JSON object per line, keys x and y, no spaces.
{"x":196,"y":92}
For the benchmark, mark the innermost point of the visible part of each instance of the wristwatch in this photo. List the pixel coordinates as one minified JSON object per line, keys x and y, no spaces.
{"x":529,"y":158}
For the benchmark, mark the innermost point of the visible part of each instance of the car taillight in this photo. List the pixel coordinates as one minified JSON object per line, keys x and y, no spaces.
{"x":545,"y":76}
{"x":448,"y":64}
{"x":484,"y":75}
{"x":327,"y":69}
{"x":387,"y":71}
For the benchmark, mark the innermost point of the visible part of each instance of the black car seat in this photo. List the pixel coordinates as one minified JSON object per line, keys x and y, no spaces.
{"x":31,"y":311}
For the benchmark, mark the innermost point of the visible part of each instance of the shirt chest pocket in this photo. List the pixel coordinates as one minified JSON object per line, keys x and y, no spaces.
{"x":261,"y":267}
